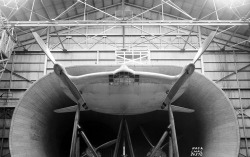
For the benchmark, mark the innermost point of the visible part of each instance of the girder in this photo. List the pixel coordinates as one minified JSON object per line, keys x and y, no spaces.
{"x":127,"y":23}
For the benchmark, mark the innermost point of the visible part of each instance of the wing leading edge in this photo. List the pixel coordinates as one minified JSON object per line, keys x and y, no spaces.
{"x":104,"y":77}
{"x":122,"y":75}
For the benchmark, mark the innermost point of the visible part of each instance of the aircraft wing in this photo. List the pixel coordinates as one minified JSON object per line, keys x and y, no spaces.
{"x":179,"y":109}
{"x":73,"y":109}
{"x":68,"y":109}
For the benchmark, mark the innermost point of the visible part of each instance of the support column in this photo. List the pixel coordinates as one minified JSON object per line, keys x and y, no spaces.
{"x":45,"y":56}
{"x":241,"y":107}
{"x":200,"y":43}
{"x":118,"y":139}
{"x":170,"y":149}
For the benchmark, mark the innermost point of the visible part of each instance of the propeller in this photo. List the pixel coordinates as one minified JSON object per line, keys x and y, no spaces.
{"x":155,"y":150}
{"x":146,"y":137}
{"x":107,"y":144}
{"x":183,"y":76}
{"x":158,"y":148}
{"x":187,"y":70}
{"x":104,"y":145}
{"x":167,"y":143}
{"x":204,"y":46}
{"x":61,"y":71}
{"x":65,"y":78}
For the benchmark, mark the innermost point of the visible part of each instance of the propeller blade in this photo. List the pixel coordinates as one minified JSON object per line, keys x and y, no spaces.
{"x":204,"y":46}
{"x":185,"y":74}
{"x":60,"y":71}
{"x":158,"y":145}
{"x":164,"y":145}
{"x":83,"y":154}
{"x":74,"y":134}
{"x":167,"y":143}
{"x":146,"y":137}
{"x":62,"y":74}
{"x":107,"y":144}
{"x":90,"y":146}
{"x":44,"y":47}
{"x":188,"y":70}
{"x":173,"y":131}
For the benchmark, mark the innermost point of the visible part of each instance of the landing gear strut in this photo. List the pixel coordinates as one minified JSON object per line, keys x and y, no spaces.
{"x":170,"y":132}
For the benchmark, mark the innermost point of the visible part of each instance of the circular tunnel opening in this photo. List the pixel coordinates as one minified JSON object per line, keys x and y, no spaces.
{"x":37,"y":131}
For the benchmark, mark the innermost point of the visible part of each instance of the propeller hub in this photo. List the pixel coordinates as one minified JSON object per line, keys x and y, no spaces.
{"x":190,"y":68}
{"x":58,"y":69}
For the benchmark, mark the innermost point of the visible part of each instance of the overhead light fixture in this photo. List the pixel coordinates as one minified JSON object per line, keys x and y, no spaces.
{"x":13,"y":4}
{"x":235,"y":3}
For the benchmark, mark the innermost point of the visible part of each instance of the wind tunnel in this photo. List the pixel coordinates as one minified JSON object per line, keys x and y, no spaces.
{"x":36,"y":131}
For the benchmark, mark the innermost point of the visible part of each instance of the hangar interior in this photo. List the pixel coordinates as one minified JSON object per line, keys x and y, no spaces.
{"x":134,"y":32}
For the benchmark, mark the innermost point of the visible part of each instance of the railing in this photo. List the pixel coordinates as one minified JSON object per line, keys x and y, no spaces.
{"x":125,"y":56}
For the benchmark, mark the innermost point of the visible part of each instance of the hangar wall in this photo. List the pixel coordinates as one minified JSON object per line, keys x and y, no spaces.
{"x":230,"y":69}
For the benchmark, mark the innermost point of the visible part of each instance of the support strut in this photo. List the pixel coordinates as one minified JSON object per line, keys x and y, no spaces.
{"x":173,"y":131}
{"x":90,"y":146}
{"x":123,"y":130}
{"x":74,"y":134}
{"x":118,"y":139}
{"x":129,"y":140}
{"x":170,"y":147}
{"x":158,"y":145}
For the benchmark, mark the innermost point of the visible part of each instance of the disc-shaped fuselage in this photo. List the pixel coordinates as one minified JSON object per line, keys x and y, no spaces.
{"x":125,"y":98}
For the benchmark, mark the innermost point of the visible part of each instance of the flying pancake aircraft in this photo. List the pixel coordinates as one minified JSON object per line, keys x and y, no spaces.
{"x":125,"y":102}
{"x":116,"y":93}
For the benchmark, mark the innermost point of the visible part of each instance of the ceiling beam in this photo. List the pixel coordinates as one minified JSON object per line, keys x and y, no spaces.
{"x":126,"y":23}
{"x":54,"y":8}
{"x":65,"y":8}
{"x":204,"y":23}
{"x":72,"y":17}
{"x":117,"y":35}
{"x":45,"y":10}
{"x":199,"y":15}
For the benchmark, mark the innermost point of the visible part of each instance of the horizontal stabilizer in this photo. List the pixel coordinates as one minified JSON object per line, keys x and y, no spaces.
{"x":179,"y":109}
{"x":68,"y":109}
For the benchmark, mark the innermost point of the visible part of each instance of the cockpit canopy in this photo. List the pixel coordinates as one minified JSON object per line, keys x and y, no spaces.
{"x":123,"y":78}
